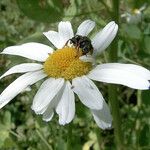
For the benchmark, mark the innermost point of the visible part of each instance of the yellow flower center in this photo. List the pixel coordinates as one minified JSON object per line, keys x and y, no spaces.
{"x":136,"y":11}
{"x":65,"y":63}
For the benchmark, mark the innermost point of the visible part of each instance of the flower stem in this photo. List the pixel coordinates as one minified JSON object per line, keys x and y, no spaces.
{"x":116,"y":116}
{"x":138,"y":121}
{"x":99,"y":140}
{"x":69,"y":137}
{"x":43,"y":139}
{"x":112,"y":88}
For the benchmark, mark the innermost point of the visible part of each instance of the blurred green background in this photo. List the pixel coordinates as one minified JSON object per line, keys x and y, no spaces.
{"x":24,"y":21}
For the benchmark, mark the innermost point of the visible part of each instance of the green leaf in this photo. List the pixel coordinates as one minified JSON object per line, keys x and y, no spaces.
{"x":42,"y":10}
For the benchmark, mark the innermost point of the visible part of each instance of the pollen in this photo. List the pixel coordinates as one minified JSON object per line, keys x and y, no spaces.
{"x":65,"y":63}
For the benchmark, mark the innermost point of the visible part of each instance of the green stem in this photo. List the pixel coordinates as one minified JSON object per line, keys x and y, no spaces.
{"x":129,"y":60}
{"x":116,"y":116}
{"x":43,"y":139}
{"x":69,"y":137}
{"x":113,"y":96}
{"x":137,"y":127}
{"x":15,"y":134}
{"x":99,"y":140}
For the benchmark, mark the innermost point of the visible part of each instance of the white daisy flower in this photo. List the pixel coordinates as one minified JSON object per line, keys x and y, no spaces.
{"x":134,"y":16}
{"x":70,"y":70}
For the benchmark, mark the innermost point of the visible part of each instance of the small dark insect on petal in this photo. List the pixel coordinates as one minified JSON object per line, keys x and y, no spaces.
{"x":82,"y":42}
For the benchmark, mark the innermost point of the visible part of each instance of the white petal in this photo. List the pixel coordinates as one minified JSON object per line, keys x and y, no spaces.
{"x":87,"y":58}
{"x":52,"y":104}
{"x":48,"y":115}
{"x":85,"y":27}
{"x":48,"y":112}
{"x":35,"y":51}
{"x":129,"y":75}
{"x":102,"y":39}
{"x":66,"y":106}
{"x":88,"y":92}
{"x":21,"y":68}
{"x":65,"y":31}
{"x":55,"y":38}
{"x":19,"y":85}
{"x":46,"y":93}
{"x":138,"y":70}
{"x":103,"y":117}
